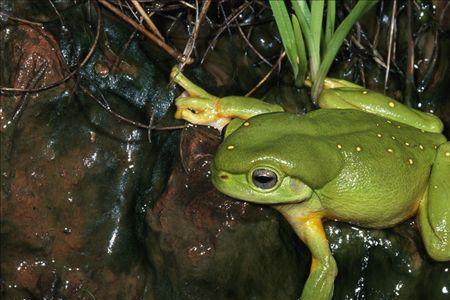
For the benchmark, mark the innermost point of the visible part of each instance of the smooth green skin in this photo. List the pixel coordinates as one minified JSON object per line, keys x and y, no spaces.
{"x":363,"y":158}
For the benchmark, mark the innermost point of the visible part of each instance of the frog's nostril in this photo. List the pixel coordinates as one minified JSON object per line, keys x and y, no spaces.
{"x":224,"y":177}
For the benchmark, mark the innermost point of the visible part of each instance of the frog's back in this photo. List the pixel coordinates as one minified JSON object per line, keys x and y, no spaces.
{"x":385,"y":171}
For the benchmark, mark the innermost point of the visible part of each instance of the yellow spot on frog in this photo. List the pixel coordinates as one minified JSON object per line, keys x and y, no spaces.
{"x":410,"y":161}
{"x":378,"y":125}
{"x":398,"y":126}
{"x":407,"y":144}
{"x":388,"y":121}
{"x":358,"y":149}
{"x":421,"y":130}
{"x":391,"y":104}
{"x":435,"y":186}
{"x":421,"y":147}
{"x":231,"y":147}
{"x":246,"y":124}
{"x":447,"y":154}
{"x":390,"y":150}
{"x":339,"y":146}
{"x":365,"y":92}
{"x":393,"y":137}
{"x":379,"y":135}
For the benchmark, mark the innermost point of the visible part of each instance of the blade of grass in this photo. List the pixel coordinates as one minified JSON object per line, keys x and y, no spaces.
{"x":301,"y":8}
{"x":316,"y":26}
{"x":331,"y":16}
{"x":336,"y":41}
{"x":302,"y":58}
{"x":304,"y":18}
{"x":284,"y":25}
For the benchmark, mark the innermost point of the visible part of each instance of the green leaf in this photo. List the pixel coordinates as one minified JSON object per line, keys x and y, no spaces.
{"x":302,"y":58}
{"x":316,"y":25}
{"x":284,"y":25}
{"x":304,"y":18}
{"x":331,"y":16}
{"x":336,"y":41}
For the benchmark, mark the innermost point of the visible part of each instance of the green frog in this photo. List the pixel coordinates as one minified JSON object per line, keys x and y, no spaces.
{"x":362,"y":158}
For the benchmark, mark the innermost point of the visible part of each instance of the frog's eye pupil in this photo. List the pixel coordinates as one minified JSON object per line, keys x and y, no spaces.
{"x":264,"y":178}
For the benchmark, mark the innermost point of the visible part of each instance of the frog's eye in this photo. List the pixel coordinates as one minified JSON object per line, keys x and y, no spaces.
{"x":264,"y":178}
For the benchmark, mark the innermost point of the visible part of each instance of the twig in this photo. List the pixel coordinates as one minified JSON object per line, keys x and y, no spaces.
{"x":104,"y":104}
{"x":57,"y":13}
{"x":147,"y":19}
{"x":251,"y":46}
{"x":264,"y":79}
{"x":171,"y":51}
{"x":223,"y":27}
{"x":20,"y":20}
{"x":85,"y":60}
{"x":122,"y":52}
{"x":409,"y":76}
{"x":391,"y":36}
{"x":190,"y":45}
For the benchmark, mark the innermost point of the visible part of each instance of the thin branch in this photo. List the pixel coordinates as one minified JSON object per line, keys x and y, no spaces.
{"x":20,"y":20}
{"x":264,"y":79}
{"x":190,"y":45}
{"x":105,"y":105}
{"x":391,"y":36}
{"x":223,"y":27}
{"x":251,"y":46}
{"x":147,"y":19}
{"x":171,"y":51}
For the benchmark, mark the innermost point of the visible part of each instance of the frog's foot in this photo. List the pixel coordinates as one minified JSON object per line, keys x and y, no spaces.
{"x":308,"y":226}
{"x":202,"y":108}
{"x":342,"y":94}
{"x":201,"y":111}
{"x":434,"y":211}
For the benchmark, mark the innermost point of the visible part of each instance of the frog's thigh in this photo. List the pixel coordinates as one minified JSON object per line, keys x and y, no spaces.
{"x":434,"y":214}
{"x":320,"y":283}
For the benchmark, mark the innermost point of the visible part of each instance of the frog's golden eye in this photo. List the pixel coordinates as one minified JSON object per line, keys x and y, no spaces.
{"x":264,"y":178}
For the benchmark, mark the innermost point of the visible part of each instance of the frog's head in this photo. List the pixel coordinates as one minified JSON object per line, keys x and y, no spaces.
{"x":268,"y":160}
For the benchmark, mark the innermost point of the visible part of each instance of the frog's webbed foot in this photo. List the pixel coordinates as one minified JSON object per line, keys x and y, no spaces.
{"x":202,"y":108}
{"x":342,"y":94}
{"x":201,"y":111}
{"x":434,"y":211}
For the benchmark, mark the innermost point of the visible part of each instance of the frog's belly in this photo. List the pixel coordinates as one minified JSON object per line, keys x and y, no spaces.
{"x":378,"y":188}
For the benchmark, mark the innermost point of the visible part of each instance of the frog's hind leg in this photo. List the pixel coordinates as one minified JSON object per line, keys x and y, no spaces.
{"x":434,"y":210}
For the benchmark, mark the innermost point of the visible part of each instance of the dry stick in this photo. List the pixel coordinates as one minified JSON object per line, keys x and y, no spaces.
{"x":85,"y":60}
{"x":223,"y":27}
{"x":409,"y":78}
{"x":171,"y":51}
{"x":391,"y":35}
{"x":20,"y":20}
{"x":264,"y":79}
{"x":190,"y":45}
{"x":122,"y":52}
{"x":251,"y":46}
{"x":147,"y":19}
{"x":104,"y":104}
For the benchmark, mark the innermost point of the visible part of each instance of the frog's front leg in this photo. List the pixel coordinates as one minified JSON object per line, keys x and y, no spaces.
{"x":308,"y":226}
{"x":342,"y":94}
{"x":434,"y":210}
{"x":202,"y":108}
